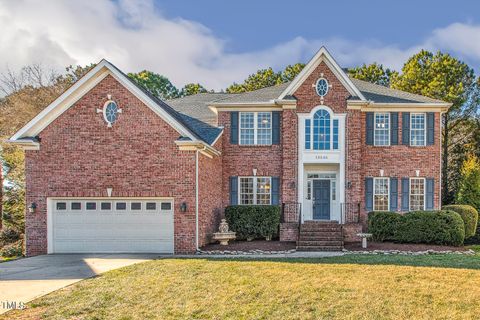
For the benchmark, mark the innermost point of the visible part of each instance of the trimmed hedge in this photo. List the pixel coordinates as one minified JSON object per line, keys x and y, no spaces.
{"x":9,"y":235}
{"x":253,"y":221}
{"x":431,"y":227}
{"x":469,"y":216}
{"x":435,"y":227}
{"x":382,"y":225}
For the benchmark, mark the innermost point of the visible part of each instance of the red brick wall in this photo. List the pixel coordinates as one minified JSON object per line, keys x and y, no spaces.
{"x":210,"y":195}
{"x":402,"y":161}
{"x":80,"y":157}
{"x":238,"y":160}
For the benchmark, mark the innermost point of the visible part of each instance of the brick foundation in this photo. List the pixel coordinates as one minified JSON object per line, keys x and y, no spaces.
{"x":289,"y":231}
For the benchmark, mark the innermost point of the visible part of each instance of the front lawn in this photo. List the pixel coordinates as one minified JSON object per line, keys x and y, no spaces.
{"x":348,"y":287}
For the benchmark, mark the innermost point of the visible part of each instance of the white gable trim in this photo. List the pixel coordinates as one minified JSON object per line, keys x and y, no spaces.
{"x":79,"y":89}
{"x":322,"y":55}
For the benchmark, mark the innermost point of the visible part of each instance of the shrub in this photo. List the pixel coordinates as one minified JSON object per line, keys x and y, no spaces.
{"x":253,"y":221}
{"x":382,"y":225}
{"x":469,"y":216}
{"x":12,"y":250}
{"x":469,"y":185}
{"x":435,"y":227}
{"x":9,"y":235}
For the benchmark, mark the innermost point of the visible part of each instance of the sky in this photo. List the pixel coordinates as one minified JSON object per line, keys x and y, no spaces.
{"x":217,"y":42}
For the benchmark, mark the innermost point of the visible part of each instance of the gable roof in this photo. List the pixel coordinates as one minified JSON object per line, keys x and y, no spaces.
{"x":322,"y":55}
{"x":185,"y":127}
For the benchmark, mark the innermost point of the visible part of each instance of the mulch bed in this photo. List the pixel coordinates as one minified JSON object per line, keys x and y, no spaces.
{"x":252,"y":245}
{"x":372,"y":246}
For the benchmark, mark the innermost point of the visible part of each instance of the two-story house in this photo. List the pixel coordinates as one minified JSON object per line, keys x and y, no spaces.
{"x":110,"y":168}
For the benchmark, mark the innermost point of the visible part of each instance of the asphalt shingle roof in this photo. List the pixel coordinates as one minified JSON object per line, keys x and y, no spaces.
{"x":261,"y":95}
{"x":381,"y":94}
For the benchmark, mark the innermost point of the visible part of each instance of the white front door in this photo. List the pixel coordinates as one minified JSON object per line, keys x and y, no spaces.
{"x":111,"y":225}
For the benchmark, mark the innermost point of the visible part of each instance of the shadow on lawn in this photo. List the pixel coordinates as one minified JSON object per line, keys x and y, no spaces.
{"x":456,"y":261}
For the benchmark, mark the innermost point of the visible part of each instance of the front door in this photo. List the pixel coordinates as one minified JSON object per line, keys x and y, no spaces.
{"x":321,"y":199}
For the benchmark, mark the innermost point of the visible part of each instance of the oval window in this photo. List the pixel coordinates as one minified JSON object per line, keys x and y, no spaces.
{"x":322,"y":87}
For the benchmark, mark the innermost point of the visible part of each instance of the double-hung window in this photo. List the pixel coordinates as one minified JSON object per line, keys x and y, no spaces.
{"x":417,"y":129}
{"x":380,"y":194}
{"x":255,"y":190}
{"x":417,"y":194}
{"x":382,"y":129}
{"x":255,"y":128}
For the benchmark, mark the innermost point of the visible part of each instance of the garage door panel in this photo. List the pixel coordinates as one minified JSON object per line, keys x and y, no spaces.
{"x":91,"y":229}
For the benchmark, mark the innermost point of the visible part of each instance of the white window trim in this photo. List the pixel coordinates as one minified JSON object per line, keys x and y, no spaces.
{"x":375,"y":129}
{"x":424,"y":130}
{"x":255,"y":128}
{"x":311,"y":118}
{"x":316,"y":86}
{"x":239,"y":196}
{"x":388,"y":191}
{"x":410,"y":192}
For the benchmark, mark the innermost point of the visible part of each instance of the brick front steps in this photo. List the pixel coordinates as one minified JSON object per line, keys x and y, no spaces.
{"x":320,"y":236}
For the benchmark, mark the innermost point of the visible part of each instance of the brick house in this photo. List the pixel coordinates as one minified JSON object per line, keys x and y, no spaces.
{"x":110,"y":168}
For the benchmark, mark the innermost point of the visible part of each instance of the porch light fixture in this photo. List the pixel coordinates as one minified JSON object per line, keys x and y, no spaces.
{"x":183,"y":207}
{"x":349,"y":184}
{"x":32,"y":208}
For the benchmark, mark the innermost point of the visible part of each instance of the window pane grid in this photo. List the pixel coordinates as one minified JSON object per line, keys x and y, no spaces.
{"x":321,"y":130}
{"x":263,"y":190}
{"x":307,"y":134}
{"x":417,"y":194}
{"x":246,"y":191}
{"x":382,"y":129}
{"x":335,"y":134}
{"x":417,"y":129}
{"x":264,"y":125}
{"x":380,"y":194}
{"x":247,"y":128}
{"x":255,"y":190}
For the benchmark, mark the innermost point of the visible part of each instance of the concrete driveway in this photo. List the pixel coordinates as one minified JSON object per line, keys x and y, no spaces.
{"x":26,"y":279}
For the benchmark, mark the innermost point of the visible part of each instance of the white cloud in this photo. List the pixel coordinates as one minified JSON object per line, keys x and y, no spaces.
{"x":135,"y":36}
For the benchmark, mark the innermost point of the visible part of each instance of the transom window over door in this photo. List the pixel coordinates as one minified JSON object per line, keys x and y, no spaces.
{"x":380,"y":194}
{"x":417,"y":129}
{"x":382,"y":129}
{"x":255,"y":190}
{"x":255,"y":128}
{"x":417,"y":194}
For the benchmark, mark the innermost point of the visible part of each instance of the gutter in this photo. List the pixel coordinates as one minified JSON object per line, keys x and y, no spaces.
{"x":196,"y":200}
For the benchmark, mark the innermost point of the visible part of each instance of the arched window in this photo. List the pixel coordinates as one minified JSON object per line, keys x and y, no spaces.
{"x":323,"y":133}
{"x":321,"y":130}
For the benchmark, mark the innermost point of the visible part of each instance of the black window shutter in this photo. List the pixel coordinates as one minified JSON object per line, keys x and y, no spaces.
{"x":275,"y":190}
{"x":234,"y":127}
{"x":233,"y":191}
{"x":430,"y":128}
{"x":393,"y":194}
{"x":406,"y":128}
{"x":393,"y":128}
{"x":430,"y":192}
{"x":405,"y":194}
{"x":369,"y":194}
{"x":276,"y":127}
{"x":369,"y":125}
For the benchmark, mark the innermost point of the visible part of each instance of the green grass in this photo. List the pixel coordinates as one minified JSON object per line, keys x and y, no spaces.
{"x":347,"y":287}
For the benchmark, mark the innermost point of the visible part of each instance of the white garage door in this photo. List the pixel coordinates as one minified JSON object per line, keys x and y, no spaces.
{"x":119,"y":225}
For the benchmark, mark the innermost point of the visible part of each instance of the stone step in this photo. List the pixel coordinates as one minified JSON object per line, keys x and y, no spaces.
{"x":315,"y":233}
{"x":320,"y":222}
{"x":321,"y":243}
{"x":320,"y":248}
{"x":320,"y":229}
{"x":320,"y":238}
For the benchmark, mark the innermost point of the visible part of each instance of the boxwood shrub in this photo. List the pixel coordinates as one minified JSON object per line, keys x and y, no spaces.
{"x":382,"y":225}
{"x":469,"y":216}
{"x":253,"y":221}
{"x":433,"y":227}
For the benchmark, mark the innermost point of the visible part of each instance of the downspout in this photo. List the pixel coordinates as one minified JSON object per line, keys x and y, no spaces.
{"x":196,"y":200}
